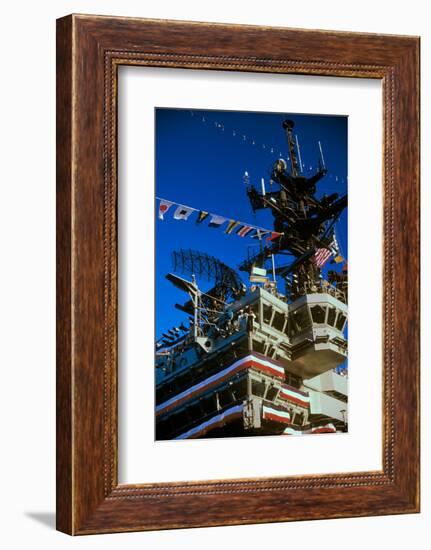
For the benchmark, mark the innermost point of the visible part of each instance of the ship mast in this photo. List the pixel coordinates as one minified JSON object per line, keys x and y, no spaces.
{"x":304,"y":221}
{"x":288,"y":126}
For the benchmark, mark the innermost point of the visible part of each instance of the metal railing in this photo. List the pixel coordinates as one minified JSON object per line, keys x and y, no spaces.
{"x":324,"y":287}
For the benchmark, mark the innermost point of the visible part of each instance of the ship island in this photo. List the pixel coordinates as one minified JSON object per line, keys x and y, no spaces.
{"x":267,"y":356}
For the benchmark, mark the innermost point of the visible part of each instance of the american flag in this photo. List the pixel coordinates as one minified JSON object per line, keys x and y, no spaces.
{"x":321,"y":256}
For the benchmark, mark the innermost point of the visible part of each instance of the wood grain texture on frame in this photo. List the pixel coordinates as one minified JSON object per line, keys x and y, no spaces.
{"x":89,"y":51}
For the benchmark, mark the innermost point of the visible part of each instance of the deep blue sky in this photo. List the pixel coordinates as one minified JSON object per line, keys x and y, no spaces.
{"x":201,"y":165}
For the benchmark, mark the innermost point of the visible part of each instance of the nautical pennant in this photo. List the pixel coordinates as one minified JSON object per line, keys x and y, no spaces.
{"x":183,"y":212}
{"x":244,"y":230}
{"x":231,"y":226}
{"x":274,"y":235}
{"x":216,"y":221}
{"x":163,"y":208}
{"x":335,"y":249}
{"x":260,"y":233}
{"x":201,"y":216}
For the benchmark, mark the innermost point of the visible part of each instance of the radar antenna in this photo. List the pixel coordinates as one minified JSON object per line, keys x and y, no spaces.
{"x":228,"y":285}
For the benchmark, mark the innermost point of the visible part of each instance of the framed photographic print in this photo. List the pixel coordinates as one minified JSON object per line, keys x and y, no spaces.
{"x":238,"y":274}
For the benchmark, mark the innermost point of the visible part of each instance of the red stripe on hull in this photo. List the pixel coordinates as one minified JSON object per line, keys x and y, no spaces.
{"x":276,"y":418}
{"x":268,"y":369}
{"x":216,"y":425}
{"x":201,"y":389}
{"x":294,"y":400}
{"x":246,"y":365}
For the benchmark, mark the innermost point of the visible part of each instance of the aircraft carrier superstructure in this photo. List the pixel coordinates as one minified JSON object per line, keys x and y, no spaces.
{"x":253,"y":358}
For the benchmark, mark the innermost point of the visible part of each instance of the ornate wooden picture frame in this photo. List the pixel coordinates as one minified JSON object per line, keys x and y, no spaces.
{"x":89,"y":51}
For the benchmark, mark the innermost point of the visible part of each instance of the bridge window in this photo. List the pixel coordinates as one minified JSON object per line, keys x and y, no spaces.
{"x":332,"y":312}
{"x":278,"y":322}
{"x":299,"y":320}
{"x":341,"y":320}
{"x":318,"y":313}
{"x":293,"y":380}
{"x":257,"y":388}
{"x":239,"y":389}
{"x":272,"y":393}
{"x":258,"y":346}
{"x":298,"y":419}
{"x":267,"y":314}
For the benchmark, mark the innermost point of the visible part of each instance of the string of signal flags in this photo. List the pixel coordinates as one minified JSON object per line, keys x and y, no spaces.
{"x":250,"y":140}
{"x":183,"y":212}
{"x":242,"y":229}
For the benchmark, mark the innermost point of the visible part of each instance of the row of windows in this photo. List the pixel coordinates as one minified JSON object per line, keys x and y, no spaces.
{"x":302,"y":318}
{"x":260,"y":388}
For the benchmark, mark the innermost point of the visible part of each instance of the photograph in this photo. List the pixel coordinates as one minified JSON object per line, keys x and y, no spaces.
{"x":251,"y":273}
